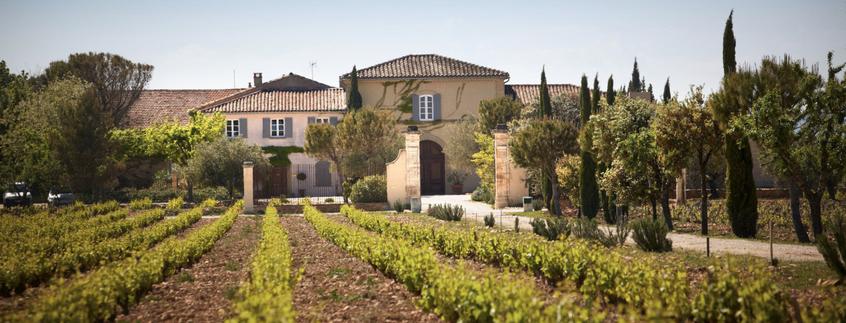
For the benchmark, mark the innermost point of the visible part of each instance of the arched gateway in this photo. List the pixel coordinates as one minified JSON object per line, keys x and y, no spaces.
{"x":432,"y":168}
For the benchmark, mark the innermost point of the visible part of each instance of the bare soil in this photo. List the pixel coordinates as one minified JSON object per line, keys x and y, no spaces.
{"x":203,"y":292}
{"x":337,"y":287}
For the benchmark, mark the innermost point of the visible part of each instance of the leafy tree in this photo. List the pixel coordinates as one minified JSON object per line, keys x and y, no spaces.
{"x":798,"y":123}
{"x":589,"y":191}
{"x":565,"y":107}
{"x":369,"y":139}
{"x":501,"y":110}
{"x":540,"y":145}
{"x":360,"y":145}
{"x":636,"y":84}
{"x":14,"y":89}
{"x":624,"y":139}
{"x":354,"y":101}
{"x":117,"y":81}
{"x":26,"y":148}
{"x":220,"y":162}
{"x":484,"y":161}
{"x":688,"y":132}
{"x":171,"y":141}
{"x":460,"y":145}
{"x":82,"y":145}
{"x":735,"y":98}
{"x":667,"y":96}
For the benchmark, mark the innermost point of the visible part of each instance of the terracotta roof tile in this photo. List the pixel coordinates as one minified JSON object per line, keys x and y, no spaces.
{"x":330,"y":99}
{"x":159,"y":106}
{"x":529,"y":93}
{"x":424,"y":66}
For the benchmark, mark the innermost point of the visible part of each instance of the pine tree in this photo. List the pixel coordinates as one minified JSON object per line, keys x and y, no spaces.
{"x":667,"y":96}
{"x":545,"y":108}
{"x":651,"y":95}
{"x":588,"y":188}
{"x":354,"y":99}
{"x":635,"y":84}
{"x":741,"y":197}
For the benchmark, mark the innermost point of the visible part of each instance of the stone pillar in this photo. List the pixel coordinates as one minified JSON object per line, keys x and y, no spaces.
{"x":412,"y":167}
{"x":248,"y":188}
{"x":501,"y":166}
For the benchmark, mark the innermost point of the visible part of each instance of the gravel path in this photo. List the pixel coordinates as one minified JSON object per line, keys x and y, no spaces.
{"x":475,"y":211}
{"x":337,"y":287}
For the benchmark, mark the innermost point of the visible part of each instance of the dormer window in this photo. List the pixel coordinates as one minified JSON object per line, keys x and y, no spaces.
{"x":427,"y":108}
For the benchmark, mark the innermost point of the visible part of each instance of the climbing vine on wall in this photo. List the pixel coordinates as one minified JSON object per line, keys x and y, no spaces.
{"x":402,"y":92}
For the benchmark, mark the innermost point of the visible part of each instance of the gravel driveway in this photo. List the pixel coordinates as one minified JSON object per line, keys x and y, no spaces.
{"x":792,"y":252}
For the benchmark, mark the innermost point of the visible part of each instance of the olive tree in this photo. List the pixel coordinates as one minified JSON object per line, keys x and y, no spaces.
{"x":540,"y":145}
{"x":220,"y":162}
{"x":686,"y":133}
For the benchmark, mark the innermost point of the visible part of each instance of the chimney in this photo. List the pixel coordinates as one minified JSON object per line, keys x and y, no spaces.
{"x":257,"y":79}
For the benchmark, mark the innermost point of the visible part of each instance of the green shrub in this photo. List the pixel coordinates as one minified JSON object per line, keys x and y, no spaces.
{"x":329,"y":200}
{"x":832,"y":246}
{"x":369,"y":189}
{"x":537,"y":204}
{"x":174,"y":205}
{"x":446,"y":212}
{"x":482,"y":194}
{"x":141,"y":204}
{"x":489,"y":220}
{"x":551,"y":229}
{"x":398,"y":206}
{"x":651,"y":235}
{"x":585,"y":228}
{"x":617,"y":235}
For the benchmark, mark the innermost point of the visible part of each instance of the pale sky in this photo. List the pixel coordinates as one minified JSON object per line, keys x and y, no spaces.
{"x":198,"y":44}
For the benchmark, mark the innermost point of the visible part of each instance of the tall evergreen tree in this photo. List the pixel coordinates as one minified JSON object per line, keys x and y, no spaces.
{"x":545,"y":112}
{"x":741,"y":198}
{"x":354,"y":101}
{"x":667,"y":96}
{"x":729,"y":60}
{"x":635,"y":84}
{"x":588,"y":188}
{"x":610,"y":94}
{"x":595,"y":95}
{"x":651,"y":94}
{"x":604,"y":198}
{"x":545,"y":109}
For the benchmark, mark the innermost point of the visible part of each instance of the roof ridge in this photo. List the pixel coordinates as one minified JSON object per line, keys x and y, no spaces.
{"x":440,"y":66}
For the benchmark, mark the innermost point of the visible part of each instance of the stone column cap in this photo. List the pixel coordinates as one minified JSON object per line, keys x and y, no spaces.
{"x":248,"y":164}
{"x":500,"y":128}
{"x":412,"y":129}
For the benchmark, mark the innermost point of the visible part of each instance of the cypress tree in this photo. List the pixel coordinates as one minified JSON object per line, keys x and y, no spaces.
{"x":610,"y":94}
{"x":741,"y":192}
{"x":729,"y":60}
{"x":667,"y":96}
{"x":545,"y":108}
{"x":651,"y":95}
{"x":588,"y":188}
{"x":635,"y":84}
{"x":354,"y":99}
{"x":544,"y":112}
{"x":595,"y":95}
{"x":604,"y":199}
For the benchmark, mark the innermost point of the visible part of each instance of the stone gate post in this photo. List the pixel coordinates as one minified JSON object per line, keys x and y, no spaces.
{"x":412,"y":167}
{"x":248,"y":188}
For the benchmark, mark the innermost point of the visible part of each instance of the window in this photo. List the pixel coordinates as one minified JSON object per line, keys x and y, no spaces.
{"x":277,"y":128}
{"x":321,"y":120}
{"x":233,"y":128}
{"x":427,"y":108}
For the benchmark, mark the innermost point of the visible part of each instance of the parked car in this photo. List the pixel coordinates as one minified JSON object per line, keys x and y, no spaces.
{"x":17,"y":195}
{"x":60,"y":196}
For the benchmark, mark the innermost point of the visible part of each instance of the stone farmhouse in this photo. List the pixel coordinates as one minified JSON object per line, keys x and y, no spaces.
{"x":427,"y":91}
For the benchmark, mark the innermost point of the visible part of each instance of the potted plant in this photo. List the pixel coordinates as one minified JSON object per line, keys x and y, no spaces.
{"x":456,"y":182}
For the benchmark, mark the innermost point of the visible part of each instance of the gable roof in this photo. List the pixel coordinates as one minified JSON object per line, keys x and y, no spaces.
{"x":289,"y":93}
{"x":159,"y":106}
{"x":426,"y":66}
{"x":530,"y":93}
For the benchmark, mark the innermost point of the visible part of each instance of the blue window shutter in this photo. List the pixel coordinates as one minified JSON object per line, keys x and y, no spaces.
{"x":242,"y":127}
{"x":289,"y":127}
{"x":310,"y":120}
{"x":415,"y":107}
{"x":436,"y":107}
{"x":333,"y":120}
{"x":265,"y":127}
